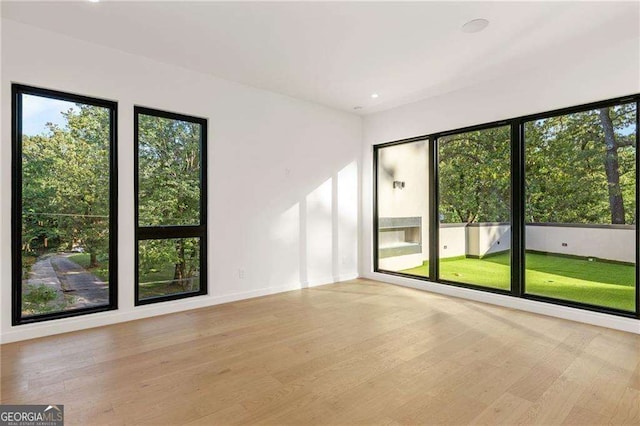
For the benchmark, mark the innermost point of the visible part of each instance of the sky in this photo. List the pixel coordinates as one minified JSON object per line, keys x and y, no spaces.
{"x":38,"y":111}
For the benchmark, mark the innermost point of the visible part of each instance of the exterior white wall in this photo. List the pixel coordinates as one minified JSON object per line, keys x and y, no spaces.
{"x":399,"y":263}
{"x":453,"y":240}
{"x":588,"y":75}
{"x":409,"y":164}
{"x":605,"y":243}
{"x":283,"y":174}
{"x":488,"y":239}
{"x":477,"y":240}
{"x":611,"y":243}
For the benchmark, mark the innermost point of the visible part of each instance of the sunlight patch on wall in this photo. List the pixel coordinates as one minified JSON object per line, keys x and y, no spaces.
{"x":284,"y":249}
{"x":319,"y":233}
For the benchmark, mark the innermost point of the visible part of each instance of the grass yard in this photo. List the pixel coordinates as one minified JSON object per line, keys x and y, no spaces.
{"x":594,"y":282}
{"x":160,"y":283}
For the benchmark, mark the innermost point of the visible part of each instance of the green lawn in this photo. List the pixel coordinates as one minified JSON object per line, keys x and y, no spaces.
{"x":594,"y":282}
{"x":158,"y":283}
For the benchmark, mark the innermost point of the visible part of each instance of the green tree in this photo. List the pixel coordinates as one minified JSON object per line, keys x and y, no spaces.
{"x":169,"y":188}
{"x":580,"y":168}
{"x":66,"y":183}
{"x":613,"y":144}
{"x":474,"y":174}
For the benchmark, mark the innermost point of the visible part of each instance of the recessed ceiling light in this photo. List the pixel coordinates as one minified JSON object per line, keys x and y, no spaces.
{"x":374,"y":96}
{"x":94,"y":1}
{"x":475,"y":25}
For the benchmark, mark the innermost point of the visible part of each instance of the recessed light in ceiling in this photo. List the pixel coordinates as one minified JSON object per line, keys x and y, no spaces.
{"x":374,"y":96}
{"x":475,"y":25}
{"x":94,"y":1}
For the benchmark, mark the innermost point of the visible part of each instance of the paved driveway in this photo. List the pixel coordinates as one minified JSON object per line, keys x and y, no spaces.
{"x":86,"y":289}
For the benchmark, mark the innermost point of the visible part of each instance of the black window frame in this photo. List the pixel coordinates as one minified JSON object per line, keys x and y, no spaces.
{"x":17,"y":90}
{"x":162,"y":232}
{"x":518,"y":243}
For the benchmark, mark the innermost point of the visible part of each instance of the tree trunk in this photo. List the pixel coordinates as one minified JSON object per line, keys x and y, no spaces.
{"x":179,"y":271}
{"x":93,"y":263}
{"x":612,"y":169}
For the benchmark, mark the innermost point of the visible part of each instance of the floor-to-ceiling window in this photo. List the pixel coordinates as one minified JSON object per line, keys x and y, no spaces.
{"x":580,"y":180}
{"x":171,"y":205}
{"x":474,"y":185}
{"x":542,"y":207}
{"x":64,"y":204}
{"x":403,"y":208}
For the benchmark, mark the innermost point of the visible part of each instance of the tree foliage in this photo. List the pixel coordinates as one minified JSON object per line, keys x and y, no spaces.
{"x":570,"y":167}
{"x":65,"y":191}
{"x":474,"y":172}
{"x":169,"y":171}
{"x":580,"y":168}
{"x":169,"y":193}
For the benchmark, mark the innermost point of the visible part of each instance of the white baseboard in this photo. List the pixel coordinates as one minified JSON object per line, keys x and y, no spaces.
{"x":66,"y":325}
{"x":580,"y":315}
{"x":330,"y":280}
{"x":588,"y":317}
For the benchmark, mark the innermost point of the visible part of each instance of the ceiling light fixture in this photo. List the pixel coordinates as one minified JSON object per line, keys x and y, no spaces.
{"x":475,"y":25}
{"x":94,"y":1}
{"x":374,"y":96}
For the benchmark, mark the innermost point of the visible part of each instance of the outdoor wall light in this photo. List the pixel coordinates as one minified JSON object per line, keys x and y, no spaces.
{"x":398,"y":184}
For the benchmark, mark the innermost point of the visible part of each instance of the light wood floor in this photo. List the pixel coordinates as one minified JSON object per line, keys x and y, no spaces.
{"x":358,"y":352}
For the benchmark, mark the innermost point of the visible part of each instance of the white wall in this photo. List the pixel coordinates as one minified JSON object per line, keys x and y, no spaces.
{"x":400,"y":263}
{"x":452,"y":240}
{"x":485,"y":238}
{"x":283,"y":173}
{"x":477,"y":240}
{"x":580,"y":77}
{"x":5,"y":216}
{"x":586,"y":76}
{"x":615,"y":243}
{"x":406,"y":163}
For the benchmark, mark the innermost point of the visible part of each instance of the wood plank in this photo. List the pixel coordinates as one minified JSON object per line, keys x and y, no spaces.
{"x":358,"y":352}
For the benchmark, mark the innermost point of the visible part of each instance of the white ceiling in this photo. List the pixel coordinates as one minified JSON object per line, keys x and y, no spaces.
{"x":339,"y":53}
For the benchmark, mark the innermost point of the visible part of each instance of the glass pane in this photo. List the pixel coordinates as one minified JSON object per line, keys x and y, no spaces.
{"x":475,"y":199}
{"x":581,"y":207}
{"x":403,"y":208}
{"x":169,"y":171}
{"x":168,"y":266}
{"x":65,"y":205}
